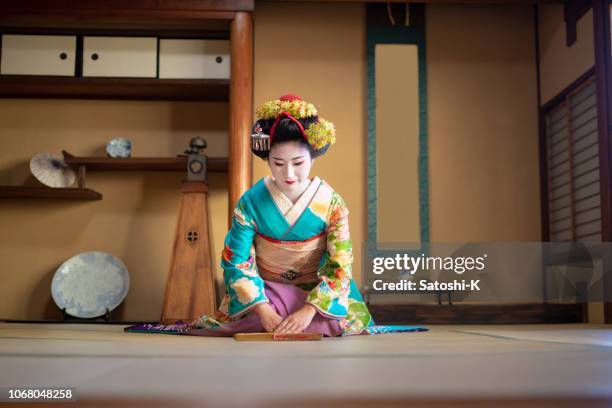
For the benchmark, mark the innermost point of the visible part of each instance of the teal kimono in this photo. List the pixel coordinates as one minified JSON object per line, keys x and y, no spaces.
{"x":306,"y":243}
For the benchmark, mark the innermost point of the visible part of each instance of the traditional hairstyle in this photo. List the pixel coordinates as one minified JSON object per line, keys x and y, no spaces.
{"x":291,"y":119}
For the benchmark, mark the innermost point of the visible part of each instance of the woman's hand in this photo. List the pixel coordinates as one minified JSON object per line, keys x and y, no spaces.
{"x":269,"y":318}
{"x":296,"y":322}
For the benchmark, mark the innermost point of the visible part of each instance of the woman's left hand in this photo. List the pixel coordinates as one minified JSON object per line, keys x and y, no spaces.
{"x":296,"y":322}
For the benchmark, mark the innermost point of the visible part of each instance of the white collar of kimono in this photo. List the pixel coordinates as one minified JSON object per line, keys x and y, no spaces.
{"x":292,"y":211}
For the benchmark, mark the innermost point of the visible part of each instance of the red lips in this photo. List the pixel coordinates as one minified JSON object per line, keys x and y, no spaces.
{"x":289,"y":181}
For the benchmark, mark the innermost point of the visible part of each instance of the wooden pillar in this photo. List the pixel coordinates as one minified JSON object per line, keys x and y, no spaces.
{"x":241,"y":107}
{"x":603,"y":76}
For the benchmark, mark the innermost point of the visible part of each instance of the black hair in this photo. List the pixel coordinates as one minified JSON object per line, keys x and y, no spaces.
{"x":287,"y":131}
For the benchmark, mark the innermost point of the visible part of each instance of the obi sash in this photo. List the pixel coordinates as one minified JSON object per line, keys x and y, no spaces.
{"x":294,"y":262}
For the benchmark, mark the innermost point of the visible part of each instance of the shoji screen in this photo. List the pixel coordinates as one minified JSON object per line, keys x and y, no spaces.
{"x":573,"y":167}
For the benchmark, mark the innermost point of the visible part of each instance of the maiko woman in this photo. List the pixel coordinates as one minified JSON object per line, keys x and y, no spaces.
{"x":287,"y":257}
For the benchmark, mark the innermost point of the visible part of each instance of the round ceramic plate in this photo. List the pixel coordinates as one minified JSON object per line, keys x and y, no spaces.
{"x":89,"y":283}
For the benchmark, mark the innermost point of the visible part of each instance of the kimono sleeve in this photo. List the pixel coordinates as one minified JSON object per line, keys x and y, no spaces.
{"x":330,"y":296}
{"x":245,"y":287}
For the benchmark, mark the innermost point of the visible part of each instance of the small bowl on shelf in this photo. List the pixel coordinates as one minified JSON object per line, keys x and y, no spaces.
{"x":119,"y":148}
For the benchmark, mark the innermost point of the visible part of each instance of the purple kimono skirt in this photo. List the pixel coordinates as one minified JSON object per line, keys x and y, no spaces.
{"x":284,"y":299}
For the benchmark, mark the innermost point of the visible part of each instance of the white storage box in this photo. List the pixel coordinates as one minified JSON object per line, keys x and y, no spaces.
{"x":129,"y":57}
{"x":203,"y":59}
{"x":38,"y":55}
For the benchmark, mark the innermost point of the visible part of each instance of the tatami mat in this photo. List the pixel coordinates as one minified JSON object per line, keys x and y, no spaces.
{"x":596,"y":335}
{"x":98,"y":340}
{"x":101,"y":361}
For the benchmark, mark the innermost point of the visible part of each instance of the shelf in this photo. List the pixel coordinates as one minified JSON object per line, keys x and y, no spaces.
{"x":181,"y":15}
{"x":49,"y":193}
{"x":179,"y":163}
{"x":33,"y":86}
{"x":222,"y":19}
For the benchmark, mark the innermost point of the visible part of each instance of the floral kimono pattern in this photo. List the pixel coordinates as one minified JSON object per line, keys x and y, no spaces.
{"x":264,"y":214}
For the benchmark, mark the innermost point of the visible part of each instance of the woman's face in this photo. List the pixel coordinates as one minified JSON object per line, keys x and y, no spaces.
{"x":290,"y":164}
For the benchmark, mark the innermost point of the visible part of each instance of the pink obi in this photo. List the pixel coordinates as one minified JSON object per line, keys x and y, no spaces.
{"x":293,"y":262}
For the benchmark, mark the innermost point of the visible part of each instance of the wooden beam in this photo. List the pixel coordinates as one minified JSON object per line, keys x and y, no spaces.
{"x":31,"y":192}
{"x":241,"y":107}
{"x":542,"y":142}
{"x":479,"y":314}
{"x":428,"y":1}
{"x":178,"y":164}
{"x":136,"y":14}
{"x":118,"y":7}
{"x":603,"y":77}
{"x":574,"y":10}
{"x":23,"y":86}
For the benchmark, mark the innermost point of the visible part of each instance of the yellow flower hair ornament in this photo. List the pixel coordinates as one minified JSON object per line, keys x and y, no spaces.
{"x":297,"y":108}
{"x":319,"y":134}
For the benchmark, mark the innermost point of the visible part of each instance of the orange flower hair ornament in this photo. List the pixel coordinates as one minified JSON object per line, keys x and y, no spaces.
{"x":318,"y":134}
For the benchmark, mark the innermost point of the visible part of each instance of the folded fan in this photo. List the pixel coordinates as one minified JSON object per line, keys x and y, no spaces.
{"x":277,"y":337}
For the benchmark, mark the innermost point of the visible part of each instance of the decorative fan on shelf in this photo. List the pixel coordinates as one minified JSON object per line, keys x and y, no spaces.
{"x":52,"y":171}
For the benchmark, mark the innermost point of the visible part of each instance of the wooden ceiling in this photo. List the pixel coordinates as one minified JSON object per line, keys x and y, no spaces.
{"x":426,"y":1}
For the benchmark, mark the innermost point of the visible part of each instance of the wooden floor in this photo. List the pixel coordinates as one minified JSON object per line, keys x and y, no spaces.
{"x":466,"y":366}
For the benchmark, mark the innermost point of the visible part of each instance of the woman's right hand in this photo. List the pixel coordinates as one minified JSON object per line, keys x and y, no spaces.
{"x":269,"y":318}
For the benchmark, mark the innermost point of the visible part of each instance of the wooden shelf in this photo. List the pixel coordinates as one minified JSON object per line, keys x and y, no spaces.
{"x":33,"y":86}
{"x":160,"y":15}
{"x":49,"y":193}
{"x":179,"y":163}
{"x":227,"y":19}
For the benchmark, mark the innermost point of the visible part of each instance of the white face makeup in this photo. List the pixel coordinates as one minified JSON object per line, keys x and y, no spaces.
{"x":290,"y":164}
